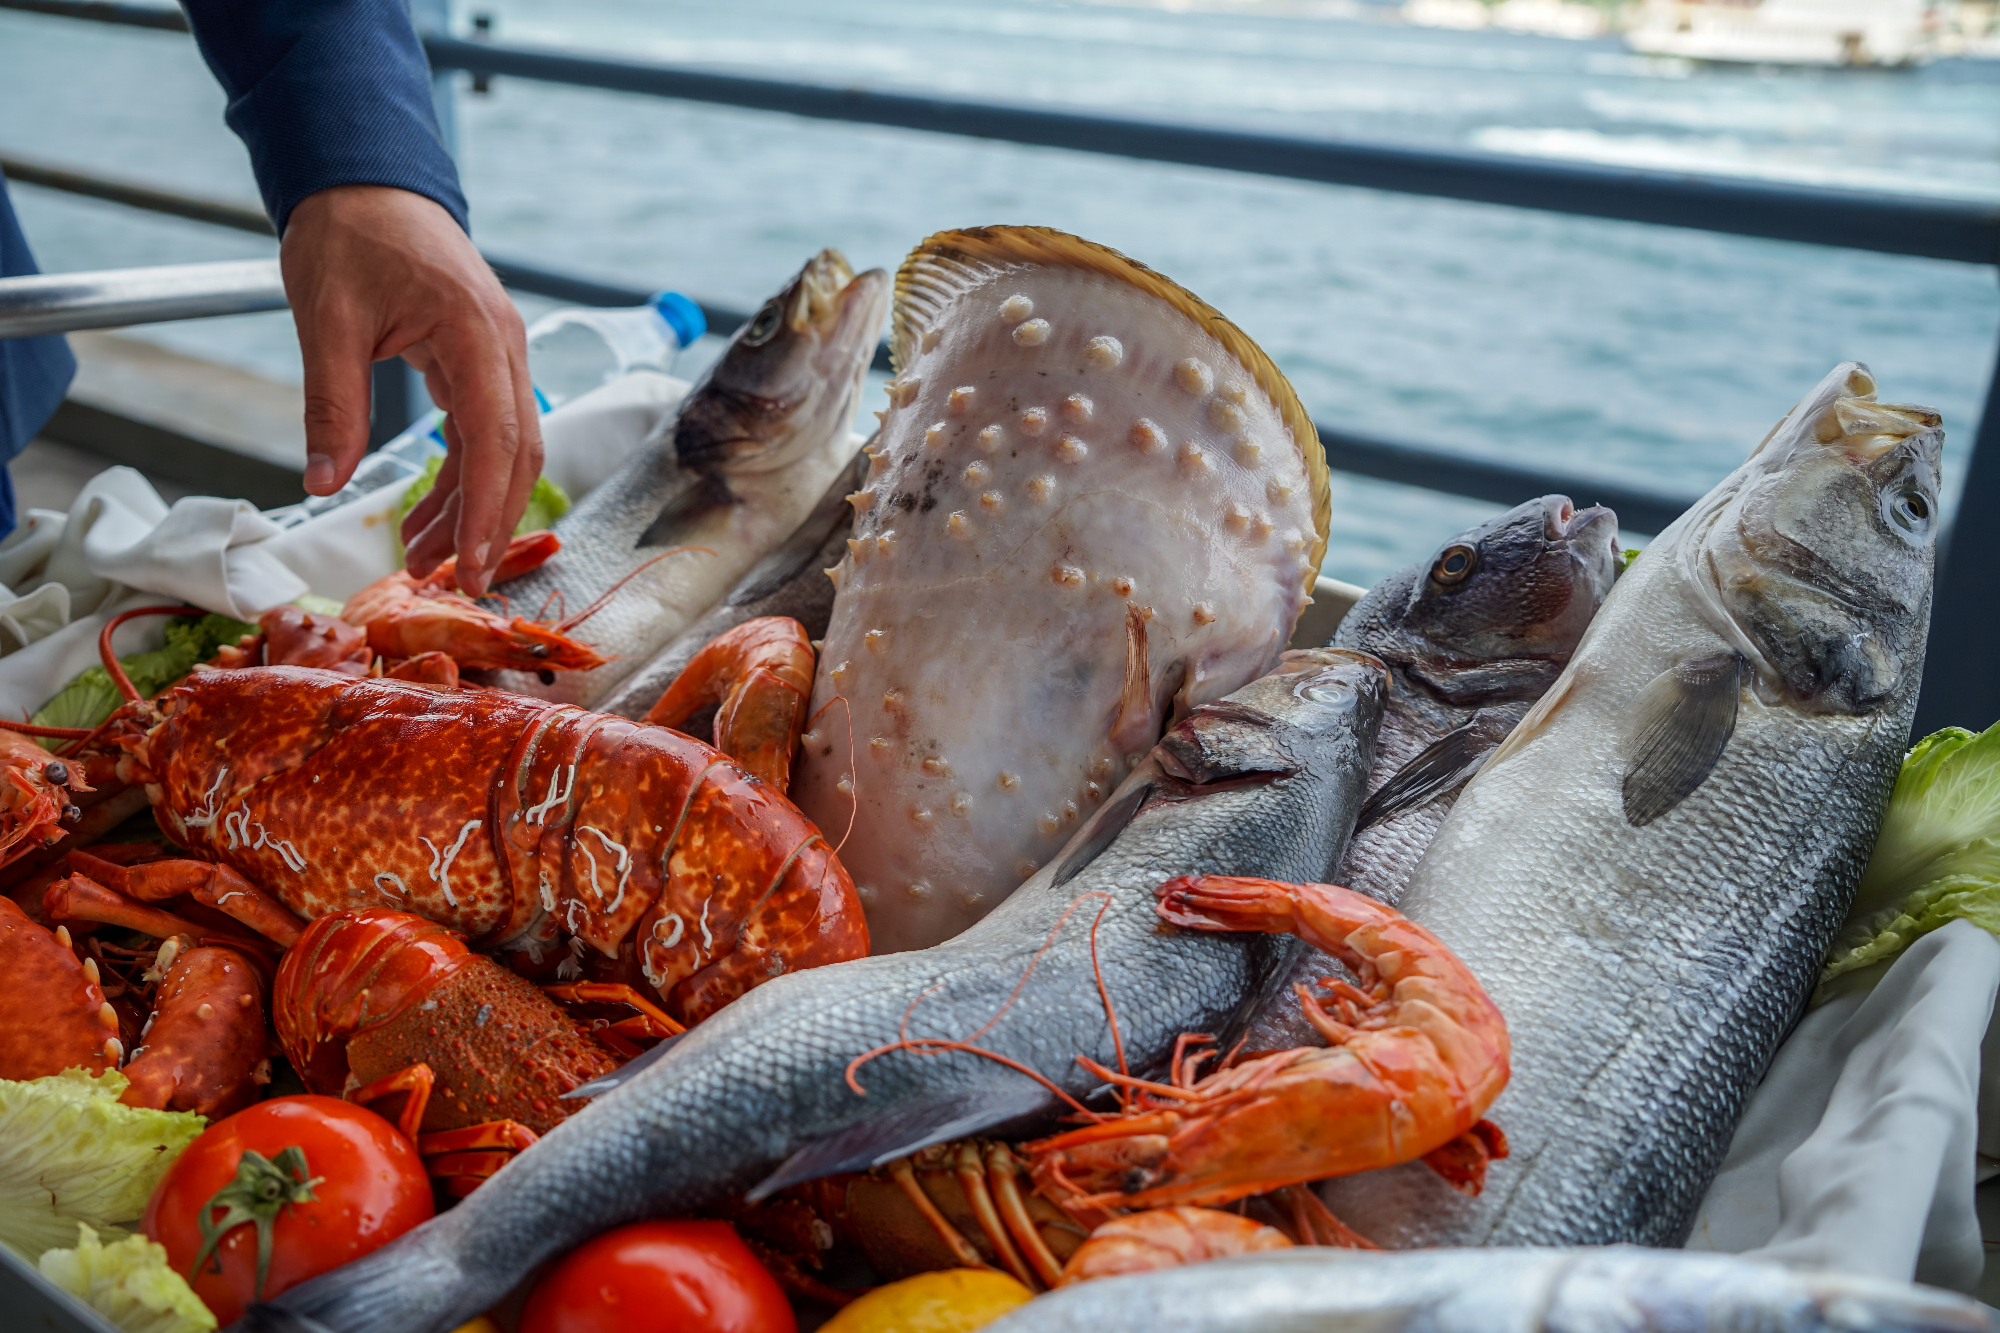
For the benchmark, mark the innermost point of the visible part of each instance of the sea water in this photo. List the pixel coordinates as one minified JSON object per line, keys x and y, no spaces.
{"x":1640,"y":354}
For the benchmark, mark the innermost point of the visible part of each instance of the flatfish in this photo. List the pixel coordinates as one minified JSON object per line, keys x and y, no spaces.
{"x":1094,"y":504}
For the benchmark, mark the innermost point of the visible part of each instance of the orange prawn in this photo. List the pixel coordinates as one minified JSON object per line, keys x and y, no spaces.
{"x":761,"y":673}
{"x":1417,"y":1054}
{"x":406,"y":616}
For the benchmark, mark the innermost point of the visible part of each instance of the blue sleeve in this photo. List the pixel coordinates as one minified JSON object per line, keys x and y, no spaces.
{"x":324,"y":93}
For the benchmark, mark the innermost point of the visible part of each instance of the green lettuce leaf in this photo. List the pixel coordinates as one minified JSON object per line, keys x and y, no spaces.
{"x":129,"y":1283}
{"x":70,"y":1152}
{"x":89,"y":698}
{"x":546,"y":503}
{"x":1936,"y":860}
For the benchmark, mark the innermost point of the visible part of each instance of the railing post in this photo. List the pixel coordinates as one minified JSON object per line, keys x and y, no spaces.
{"x":1962,"y":672}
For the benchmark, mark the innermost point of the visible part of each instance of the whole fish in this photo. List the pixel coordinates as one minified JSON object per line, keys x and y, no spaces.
{"x":1094,"y":504}
{"x":1472,"y":636}
{"x":1620,"y":1289}
{"x":1265,"y":782}
{"x":1646,"y":874}
{"x":791,"y":581}
{"x":743,"y":461}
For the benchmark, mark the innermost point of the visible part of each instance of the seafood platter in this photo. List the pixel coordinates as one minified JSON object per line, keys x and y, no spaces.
{"x":985,"y":876}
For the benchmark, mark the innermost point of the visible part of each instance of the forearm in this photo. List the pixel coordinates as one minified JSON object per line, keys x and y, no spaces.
{"x":326,"y":93}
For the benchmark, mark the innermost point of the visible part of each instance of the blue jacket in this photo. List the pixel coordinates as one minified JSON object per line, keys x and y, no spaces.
{"x":322,"y":93}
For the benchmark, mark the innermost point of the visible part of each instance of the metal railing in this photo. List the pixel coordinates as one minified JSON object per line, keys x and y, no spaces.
{"x":1962,"y":681}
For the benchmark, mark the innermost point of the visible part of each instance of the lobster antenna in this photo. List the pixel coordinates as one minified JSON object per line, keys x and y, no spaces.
{"x":604,"y":598}
{"x":60,"y":733}
{"x":110,"y":659}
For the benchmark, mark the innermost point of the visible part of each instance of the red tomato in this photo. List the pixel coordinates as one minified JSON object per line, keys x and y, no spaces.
{"x":659,"y":1277}
{"x":371,"y":1188}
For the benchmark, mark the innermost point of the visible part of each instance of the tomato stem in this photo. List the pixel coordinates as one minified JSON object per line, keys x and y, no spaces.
{"x":263,"y":1187}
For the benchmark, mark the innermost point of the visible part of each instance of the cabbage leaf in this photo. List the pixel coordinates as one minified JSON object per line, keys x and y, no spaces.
{"x":90,"y":697}
{"x":546,"y":503}
{"x":70,"y":1152}
{"x":1936,"y":860}
{"x":129,"y":1282}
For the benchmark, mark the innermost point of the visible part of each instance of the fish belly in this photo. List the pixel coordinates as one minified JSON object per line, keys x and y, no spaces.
{"x":1646,"y":974}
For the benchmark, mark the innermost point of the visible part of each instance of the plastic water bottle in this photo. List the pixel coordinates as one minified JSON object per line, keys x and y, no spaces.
{"x":571,"y":352}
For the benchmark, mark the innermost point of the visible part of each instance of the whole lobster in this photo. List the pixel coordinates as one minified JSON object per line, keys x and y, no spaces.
{"x":503,"y":817}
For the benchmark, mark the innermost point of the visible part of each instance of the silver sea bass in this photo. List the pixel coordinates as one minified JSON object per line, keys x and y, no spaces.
{"x":1646,"y":874}
{"x":791,"y":581}
{"x":1264,"y":782}
{"x":742,"y":463}
{"x":1620,"y":1289}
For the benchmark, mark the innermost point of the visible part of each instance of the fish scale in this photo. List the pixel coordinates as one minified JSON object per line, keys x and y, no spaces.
{"x":1650,"y":917}
{"x":1093,"y":503}
{"x":1285,"y":760}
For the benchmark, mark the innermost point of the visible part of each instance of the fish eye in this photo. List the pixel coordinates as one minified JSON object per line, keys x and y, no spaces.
{"x":1910,"y":510}
{"x":763,"y":325}
{"x":1456,"y":562}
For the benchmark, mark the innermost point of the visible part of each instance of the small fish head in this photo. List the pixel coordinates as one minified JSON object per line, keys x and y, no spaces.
{"x":1262,"y":730}
{"x":1523,"y":584}
{"x":768,"y":399}
{"x":1826,"y":562}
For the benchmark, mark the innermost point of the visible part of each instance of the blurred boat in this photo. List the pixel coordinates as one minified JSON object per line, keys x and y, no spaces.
{"x":1795,"y":32}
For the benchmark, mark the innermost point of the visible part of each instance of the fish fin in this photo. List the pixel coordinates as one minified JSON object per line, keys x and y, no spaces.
{"x":1538,"y":717}
{"x":900,"y":1133}
{"x":1683,"y":720}
{"x":625,"y":1073}
{"x":1103,"y":831}
{"x":708,"y":491}
{"x":807,"y":540}
{"x":1136,"y":723}
{"x":1443,"y":766}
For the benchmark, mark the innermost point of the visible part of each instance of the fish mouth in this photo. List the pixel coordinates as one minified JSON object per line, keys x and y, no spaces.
{"x":1562,"y":521}
{"x":827,"y":289}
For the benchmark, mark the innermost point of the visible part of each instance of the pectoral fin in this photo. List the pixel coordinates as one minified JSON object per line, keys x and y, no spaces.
{"x":1442,"y":767}
{"x":900,"y":1132}
{"x":708,"y":491}
{"x":1681,"y":724}
{"x":1136,"y":725}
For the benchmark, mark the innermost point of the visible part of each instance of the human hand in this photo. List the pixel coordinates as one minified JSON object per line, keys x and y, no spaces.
{"x":374,"y":272}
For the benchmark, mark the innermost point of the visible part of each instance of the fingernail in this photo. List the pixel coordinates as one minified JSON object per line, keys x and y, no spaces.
{"x":479,"y":554}
{"x":319,"y":472}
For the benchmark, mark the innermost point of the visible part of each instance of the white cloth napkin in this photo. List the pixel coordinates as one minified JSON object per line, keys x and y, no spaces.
{"x":1858,"y":1152}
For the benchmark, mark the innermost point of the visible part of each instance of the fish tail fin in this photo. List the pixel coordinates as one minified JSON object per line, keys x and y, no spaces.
{"x":412,"y":1285}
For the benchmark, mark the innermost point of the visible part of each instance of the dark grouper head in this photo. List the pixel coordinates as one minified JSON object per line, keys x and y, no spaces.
{"x":1821,"y":555}
{"x":1521,"y":585}
{"x":791,"y":376}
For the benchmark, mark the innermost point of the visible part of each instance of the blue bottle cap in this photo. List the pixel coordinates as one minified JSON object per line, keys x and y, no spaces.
{"x":683,"y":316}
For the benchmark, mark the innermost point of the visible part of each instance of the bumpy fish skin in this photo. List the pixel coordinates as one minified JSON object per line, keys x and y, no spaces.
{"x":1093,"y":504}
{"x":1621,"y":1289}
{"x":790,"y":581}
{"x":1472,"y":636}
{"x":1645,"y":891}
{"x":1285,"y":759}
{"x":752,"y":448}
